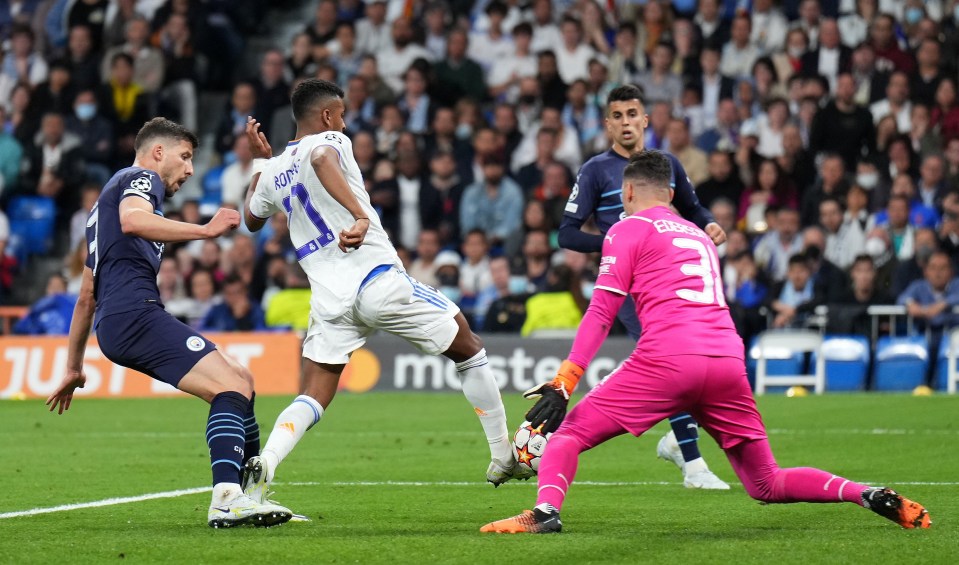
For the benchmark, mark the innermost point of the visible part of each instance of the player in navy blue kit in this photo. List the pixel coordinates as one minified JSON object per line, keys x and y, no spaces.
{"x":597,"y":193}
{"x":126,"y":232}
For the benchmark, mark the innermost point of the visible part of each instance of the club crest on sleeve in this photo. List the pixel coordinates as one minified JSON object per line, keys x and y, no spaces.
{"x":195,"y":343}
{"x":575,"y":193}
{"x":142,"y":184}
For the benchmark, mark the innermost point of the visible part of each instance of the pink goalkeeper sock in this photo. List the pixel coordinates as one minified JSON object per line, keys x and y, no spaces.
{"x":557,"y":469}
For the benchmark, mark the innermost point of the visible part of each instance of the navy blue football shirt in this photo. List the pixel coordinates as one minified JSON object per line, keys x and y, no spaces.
{"x":124,"y":266}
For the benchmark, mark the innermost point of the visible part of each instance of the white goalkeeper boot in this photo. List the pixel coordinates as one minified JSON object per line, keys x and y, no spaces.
{"x":241,"y":509}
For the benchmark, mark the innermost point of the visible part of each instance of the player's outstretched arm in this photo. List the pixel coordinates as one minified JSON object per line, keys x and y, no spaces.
{"x":74,"y":378}
{"x":137,"y":218}
{"x":326,"y":165}
{"x":689,"y":206}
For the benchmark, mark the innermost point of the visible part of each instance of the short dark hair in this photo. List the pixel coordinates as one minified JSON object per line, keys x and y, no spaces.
{"x":863,"y":258}
{"x":126,"y":57}
{"x":165,"y":129}
{"x":626,"y":93}
{"x":649,"y":167}
{"x":799,"y":259}
{"x":311,"y":92}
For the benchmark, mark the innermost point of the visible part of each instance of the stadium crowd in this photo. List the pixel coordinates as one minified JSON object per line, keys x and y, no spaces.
{"x":822,"y":135}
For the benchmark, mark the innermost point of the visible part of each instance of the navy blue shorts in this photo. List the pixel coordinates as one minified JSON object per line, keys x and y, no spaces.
{"x":153,"y":342}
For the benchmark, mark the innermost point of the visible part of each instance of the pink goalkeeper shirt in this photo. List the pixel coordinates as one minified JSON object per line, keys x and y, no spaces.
{"x":670,"y":268}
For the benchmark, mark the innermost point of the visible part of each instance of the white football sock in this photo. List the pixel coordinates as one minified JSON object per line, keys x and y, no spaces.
{"x":225,"y":492}
{"x":302,"y":414}
{"x":479,"y":387}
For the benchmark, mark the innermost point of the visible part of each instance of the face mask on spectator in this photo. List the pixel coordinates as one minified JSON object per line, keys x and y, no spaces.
{"x":875,"y":246}
{"x":86,"y":111}
{"x":913,"y":15}
{"x":517,"y":285}
{"x":867,"y":180}
{"x":453,"y":293}
{"x":924,"y":252}
{"x":955,"y":12}
{"x":587,"y":289}
{"x":463,"y":131}
{"x":796,"y":52}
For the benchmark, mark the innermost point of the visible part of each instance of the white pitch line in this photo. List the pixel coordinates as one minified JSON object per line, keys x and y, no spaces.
{"x":105,"y":502}
{"x":198,"y":490}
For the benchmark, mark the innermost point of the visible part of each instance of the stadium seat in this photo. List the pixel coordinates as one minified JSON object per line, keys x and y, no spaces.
{"x":778,"y":362}
{"x":947,"y":375}
{"x":788,"y":344}
{"x":901,"y":363}
{"x":32,"y":220}
{"x":212,"y":184}
{"x":847,"y":362}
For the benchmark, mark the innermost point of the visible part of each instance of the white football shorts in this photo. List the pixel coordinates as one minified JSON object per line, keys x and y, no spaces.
{"x":393,"y":302}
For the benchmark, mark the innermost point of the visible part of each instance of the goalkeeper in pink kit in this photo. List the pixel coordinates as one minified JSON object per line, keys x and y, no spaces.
{"x":690,"y":358}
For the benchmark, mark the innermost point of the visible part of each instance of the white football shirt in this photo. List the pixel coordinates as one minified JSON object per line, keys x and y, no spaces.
{"x":289,"y":184}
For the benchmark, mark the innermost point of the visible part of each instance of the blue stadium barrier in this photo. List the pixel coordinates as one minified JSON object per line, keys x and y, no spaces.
{"x":901,"y":363}
{"x":32,"y":220}
{"x":847,"y":362}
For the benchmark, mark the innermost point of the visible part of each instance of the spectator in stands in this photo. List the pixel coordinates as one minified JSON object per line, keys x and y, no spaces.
{"x":931,"y":299}
{"x":504,"y":76}
{"x":793,"y":299}
{"x":659,"y":83}
{"x":530,"y":176}
{"x":22,"y":63}
{"x":536,"y":254}
{"x":920,"y":215}
{"x":746,"y":293}
{"x":831,"y":183}
{"x":53,"y":166}
{"x":114,"y":28}
{"x":91,"y":13}
{"x":724,"y":135}
{"x":180,"y":79}
{"x":889,"y":56}
{"x":925,"y":243}
{"x":829,"y":281}
{"x":796,"y":162}
{"x":924,"y":139}
{"x":81,"y":59}
{"x":441,"y":193}
{"x":148,"y":63}
{"x":89,"y":193}
{"x":125,"y":104}
{"x":236,"y":313}
{"x":345,"y":54}
{"x":928,"y":73}
{"x":628,"y":57}
{"x":809,"y":16}
{"x":739,"y":54}
{"x":831,"y":57}
{"x":414,"y":102}
{"x":8,"y":264}
{"x":272,"y":90}
{"x":507,"y":312}
{"x":560,"y":305}
{"x":360,"y":107}
{"x":203,"y":292}
{"x":378,"y":89}
{"x":854,"y":26}
{"x":73,"y":265}
{"x":495,"y":274}
{"x":932,"y":187}
{"x":373,"y":31}
{"x":769,"y":27}
{"x":901,"y":232}
{"x":573,"y":54}
{"x":96,"y":136}
{"x":475,"y":272}
{"x":772,"y":189}
{"x":448,"y":280}
{"x":491,"y":45}
{"x":845,"y":239}
{"x":235,"y":179}
{"x":693,"y":159}
{"x":659,"y":116}
{"x":871,"y":82}
{"x":949,"y":235}
{"x":896,"y":103}
{"x":713,"y":86}
{"x":843,"y":126}
{"x":393,"y":61}
{"x":774,"y":250}
{"x":322,"y":29}
{"x":240,"y":258}
{"x":494,"y":204}
{"x":424,"y":266}
{"x":713,"y":29}
{"x":52,"y":314}
{"x":849,"y":315}
{"x":290,"y":307}
{"x":232,"y":125}
{"x":584,"y":117}
{"x":944,"y":115}
{"x":10,"y":154}
{"x":300,"y":62}
{"x":567,"y":143}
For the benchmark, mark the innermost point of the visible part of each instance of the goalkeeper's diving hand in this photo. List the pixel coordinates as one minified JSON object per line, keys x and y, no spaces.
{"x":550,"y":409}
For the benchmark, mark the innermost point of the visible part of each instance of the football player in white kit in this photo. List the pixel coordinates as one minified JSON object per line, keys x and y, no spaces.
{"x":357,"y":281}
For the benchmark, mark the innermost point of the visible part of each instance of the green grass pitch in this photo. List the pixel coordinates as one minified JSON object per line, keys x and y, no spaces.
{"x":399,"y":478}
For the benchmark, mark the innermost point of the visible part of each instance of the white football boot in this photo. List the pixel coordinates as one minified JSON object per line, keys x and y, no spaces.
{"x":256,"y":486}
{"x":668,"y":449}
{"x":241,"y":509}
{"x":499,"y":471}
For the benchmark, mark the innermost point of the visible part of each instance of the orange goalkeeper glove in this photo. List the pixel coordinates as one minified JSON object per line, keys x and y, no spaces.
{"x":550,"y":409}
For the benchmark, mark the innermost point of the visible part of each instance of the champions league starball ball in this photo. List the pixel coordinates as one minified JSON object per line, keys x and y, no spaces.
{"x":530,"y":445}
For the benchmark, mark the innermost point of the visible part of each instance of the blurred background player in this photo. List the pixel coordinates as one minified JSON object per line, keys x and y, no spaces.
{"x":126,"y":233}
{"x":597,"y":193}
{"x":358,"y":282}
{"x":690,"y":358}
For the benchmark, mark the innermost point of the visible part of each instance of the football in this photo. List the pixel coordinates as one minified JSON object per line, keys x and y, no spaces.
{"x":530,"y":445}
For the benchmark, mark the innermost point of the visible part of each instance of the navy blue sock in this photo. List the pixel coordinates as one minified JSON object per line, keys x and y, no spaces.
{"x":225,"y":436}
{"x":251,"y":448}
{"x":687,"y":434}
